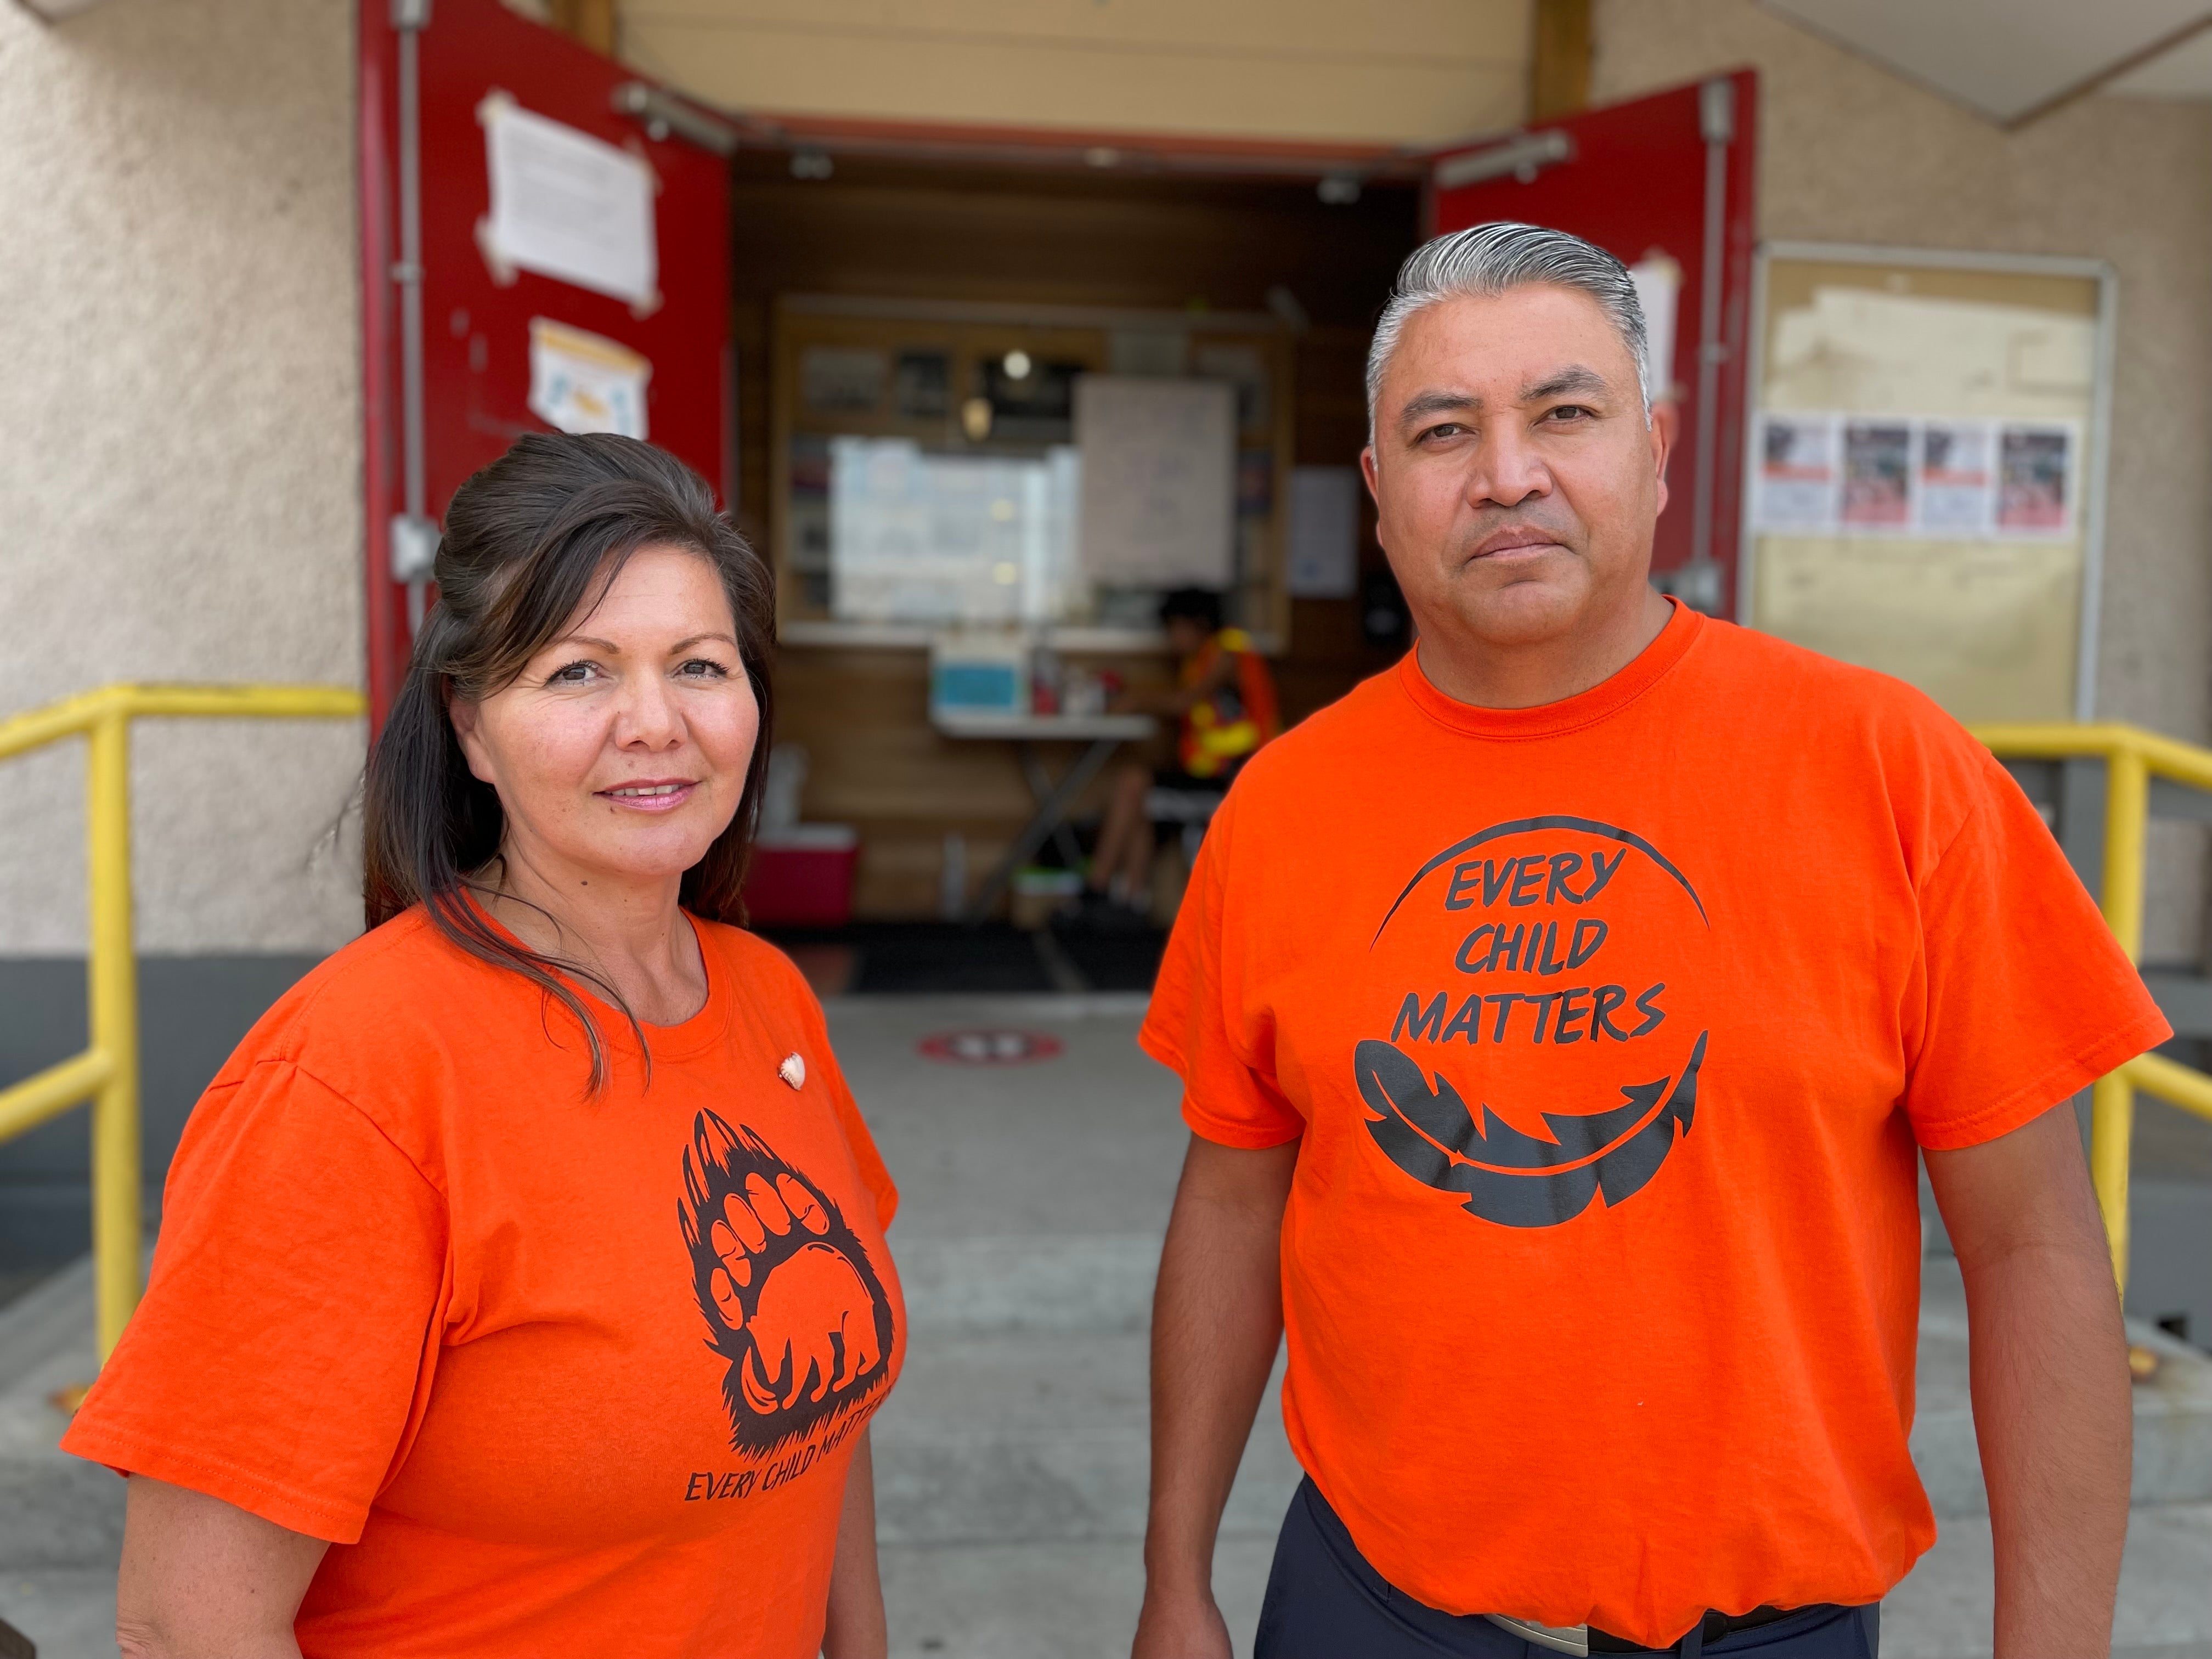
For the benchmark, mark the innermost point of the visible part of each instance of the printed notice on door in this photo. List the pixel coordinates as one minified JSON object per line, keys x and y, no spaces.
{"x":567,"y":205}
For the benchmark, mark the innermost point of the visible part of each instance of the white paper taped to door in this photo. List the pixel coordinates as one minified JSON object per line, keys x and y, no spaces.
{"x":1159,"y":480}
{"x":567,"y":205}
{"x":582,"y":382}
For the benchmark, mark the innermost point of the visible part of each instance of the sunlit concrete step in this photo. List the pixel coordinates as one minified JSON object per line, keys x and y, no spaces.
{"x":56,"y":1510}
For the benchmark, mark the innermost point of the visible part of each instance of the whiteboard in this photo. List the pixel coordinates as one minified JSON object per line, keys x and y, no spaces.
{"x":1159,"y":481}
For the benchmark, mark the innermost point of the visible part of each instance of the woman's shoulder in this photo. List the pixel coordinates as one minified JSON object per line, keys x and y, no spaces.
{"x":760,"y":965}
{"x":400,"y":979}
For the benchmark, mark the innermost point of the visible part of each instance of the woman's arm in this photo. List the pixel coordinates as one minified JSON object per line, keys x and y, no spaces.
{"x":856,"y":1629}
{"x":203,"y":1579}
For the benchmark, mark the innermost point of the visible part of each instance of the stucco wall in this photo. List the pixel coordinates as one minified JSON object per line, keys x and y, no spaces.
{"x":1850,"y":152}
{"x":179,"y":457}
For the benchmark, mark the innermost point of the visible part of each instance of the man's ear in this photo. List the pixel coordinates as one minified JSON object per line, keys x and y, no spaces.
{"x":1367,"y":470}
{"x":1666,"y":426}
{"x":467,"y":719}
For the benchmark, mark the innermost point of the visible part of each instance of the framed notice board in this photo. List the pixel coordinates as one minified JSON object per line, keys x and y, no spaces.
{"x":1924,"y":480}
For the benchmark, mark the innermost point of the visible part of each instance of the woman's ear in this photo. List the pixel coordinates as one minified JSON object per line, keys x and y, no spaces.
{"x":467,"y":718}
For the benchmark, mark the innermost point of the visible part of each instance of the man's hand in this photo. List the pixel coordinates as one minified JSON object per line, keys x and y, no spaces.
{"x":2049,"y":1361}
{"x":1217,"y":1320}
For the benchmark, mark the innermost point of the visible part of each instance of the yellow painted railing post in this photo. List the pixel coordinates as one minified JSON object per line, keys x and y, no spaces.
{"x":2112,"y":1101}
{"x":116,"y":1229}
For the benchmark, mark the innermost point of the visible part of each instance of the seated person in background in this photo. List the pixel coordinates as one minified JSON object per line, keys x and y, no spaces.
{"x":1224,"y":699}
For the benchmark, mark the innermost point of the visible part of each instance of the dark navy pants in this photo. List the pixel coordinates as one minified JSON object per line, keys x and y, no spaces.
{"x":1324,"y":1602}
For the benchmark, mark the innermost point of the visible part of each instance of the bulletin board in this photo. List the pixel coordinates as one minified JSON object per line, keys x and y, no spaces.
{"x":1924,"y":480}
{"x":847,"y":368}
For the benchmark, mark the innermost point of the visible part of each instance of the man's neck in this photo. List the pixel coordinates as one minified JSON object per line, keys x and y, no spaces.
{"x":1484,"y":675}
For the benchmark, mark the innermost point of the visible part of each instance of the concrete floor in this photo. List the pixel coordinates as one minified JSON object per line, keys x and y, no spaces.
{"x":1011,"y":1460}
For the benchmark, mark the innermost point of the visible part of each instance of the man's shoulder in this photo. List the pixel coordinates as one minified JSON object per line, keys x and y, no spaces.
{"x":1307,"y":755}
{"x":1807,"y":712}
{"x":1794,"y":684}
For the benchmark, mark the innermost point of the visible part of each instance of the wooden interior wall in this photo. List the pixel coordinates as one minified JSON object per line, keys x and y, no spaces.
{"x":1035,"y":236}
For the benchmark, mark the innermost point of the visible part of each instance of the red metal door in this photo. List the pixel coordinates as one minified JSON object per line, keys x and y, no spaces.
{"x":1669,"y":176}
{"x":463,"y":379}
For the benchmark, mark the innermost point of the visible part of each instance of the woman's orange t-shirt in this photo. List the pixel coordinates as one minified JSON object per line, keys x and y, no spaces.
{"x":556,"y":1373}
{"x":1610,"y":1027}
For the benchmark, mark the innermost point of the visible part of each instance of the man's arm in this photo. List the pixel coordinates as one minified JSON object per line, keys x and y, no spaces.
{"x":2049,"y":1363}
{"x":1216,"y":1318}
{"x":856,"y":1628}
{"x":203,"y":1579}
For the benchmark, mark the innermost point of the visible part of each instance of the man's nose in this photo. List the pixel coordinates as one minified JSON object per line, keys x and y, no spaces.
{"x":1507,"y":471}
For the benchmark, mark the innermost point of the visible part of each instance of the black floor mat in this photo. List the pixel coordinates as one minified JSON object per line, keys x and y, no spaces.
{"x":920,"y":958}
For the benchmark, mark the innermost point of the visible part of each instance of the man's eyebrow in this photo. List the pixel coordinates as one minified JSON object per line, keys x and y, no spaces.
{"x":1574,"y":379}
{"x":1423,"y":404}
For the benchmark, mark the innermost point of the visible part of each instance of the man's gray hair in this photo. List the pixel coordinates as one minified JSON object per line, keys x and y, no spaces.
{"x":1484,"y":261}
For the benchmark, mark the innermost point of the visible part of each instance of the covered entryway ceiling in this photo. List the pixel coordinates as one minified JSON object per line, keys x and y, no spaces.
{"x":2012,"y":60}
{"x":1383,"y":73}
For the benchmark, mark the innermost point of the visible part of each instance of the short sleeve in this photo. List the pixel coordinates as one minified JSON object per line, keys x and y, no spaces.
{"x":2025,"y":996}
{"x":281,"y":1349}
{"x":874,"y":1174}
{"x":1199,"y":1025}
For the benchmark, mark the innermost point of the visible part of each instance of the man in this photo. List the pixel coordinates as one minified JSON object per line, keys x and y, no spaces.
{"x":1223,"y":702}
{"x":1561,"y":1016}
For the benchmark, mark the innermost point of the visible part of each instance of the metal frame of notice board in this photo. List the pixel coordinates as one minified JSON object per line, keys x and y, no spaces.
{"x":2092,"y":474}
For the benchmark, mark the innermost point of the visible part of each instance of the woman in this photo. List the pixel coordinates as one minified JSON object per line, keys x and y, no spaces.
{"x":522,"y":1286}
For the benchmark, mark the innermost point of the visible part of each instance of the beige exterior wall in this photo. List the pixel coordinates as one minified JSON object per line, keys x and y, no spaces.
{"x":1391,"y":71}
{"x":179,"y":457}
{"x":1852,"y":153}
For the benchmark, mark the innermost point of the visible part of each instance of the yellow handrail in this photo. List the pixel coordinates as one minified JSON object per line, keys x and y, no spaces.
{"x":2132,"y":757}
{"x":106,"y":1073}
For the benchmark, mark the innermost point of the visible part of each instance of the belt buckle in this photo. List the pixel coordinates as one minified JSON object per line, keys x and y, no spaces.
{"x":1560,"y":1638}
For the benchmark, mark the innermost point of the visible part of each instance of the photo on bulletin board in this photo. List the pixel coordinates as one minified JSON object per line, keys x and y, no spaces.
{"x":1921,"y":491}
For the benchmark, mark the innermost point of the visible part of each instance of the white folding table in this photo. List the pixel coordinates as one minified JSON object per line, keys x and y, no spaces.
{"x":1101,"y":734}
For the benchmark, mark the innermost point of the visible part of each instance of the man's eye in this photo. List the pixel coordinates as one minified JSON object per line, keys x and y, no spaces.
{"x":704,"y":668}
{"x":1445,"y":430}
{"x":1568,"y":413}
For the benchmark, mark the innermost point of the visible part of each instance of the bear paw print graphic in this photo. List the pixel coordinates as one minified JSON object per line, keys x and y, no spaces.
{"x":790,"y":1298}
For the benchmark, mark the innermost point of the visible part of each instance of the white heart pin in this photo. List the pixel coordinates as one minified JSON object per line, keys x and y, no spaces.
{"x":793,"y":1071}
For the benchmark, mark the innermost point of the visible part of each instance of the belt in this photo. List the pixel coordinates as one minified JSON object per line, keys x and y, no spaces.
{"x":1587,"y":1639}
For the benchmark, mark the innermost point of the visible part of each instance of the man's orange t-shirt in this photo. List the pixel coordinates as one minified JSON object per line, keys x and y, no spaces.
{"x":1610,"y":1027}
{"x":556,"y":1373}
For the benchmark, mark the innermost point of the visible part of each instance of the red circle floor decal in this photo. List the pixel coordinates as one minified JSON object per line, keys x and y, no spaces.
{"x":990,"y":1047}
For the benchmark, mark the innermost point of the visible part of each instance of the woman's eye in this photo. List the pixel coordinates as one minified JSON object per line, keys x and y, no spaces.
{"x":704,"y":668}
{"x":576,"y":673}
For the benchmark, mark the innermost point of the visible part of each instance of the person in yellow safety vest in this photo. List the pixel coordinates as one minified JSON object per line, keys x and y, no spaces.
{"x":1224,"y":700}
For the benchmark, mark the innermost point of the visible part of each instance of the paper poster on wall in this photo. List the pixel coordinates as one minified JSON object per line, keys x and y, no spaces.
{"x":1658,"y":282}
{"x":566,"y":205}
{"x":1159,"y":480}
{"x":1324,"y":532}
{"x":1797,"y":485}
{"x":2035,"y":480}
{"x":1877,"y":476}
{"x":581,"y":382}
{"x":1953,"y":486}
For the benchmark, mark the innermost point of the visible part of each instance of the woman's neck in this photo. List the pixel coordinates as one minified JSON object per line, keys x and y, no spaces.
{"x":631,"y":932}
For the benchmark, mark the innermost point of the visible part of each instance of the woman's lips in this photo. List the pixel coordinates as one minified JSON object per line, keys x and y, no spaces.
{"x":661,"y":796}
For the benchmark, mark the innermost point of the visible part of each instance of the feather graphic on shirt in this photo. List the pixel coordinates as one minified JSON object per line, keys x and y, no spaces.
{"x":1509,"y":1177}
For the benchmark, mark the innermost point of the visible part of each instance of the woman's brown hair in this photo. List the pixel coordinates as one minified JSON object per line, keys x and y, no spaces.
{"x":534,"y":538}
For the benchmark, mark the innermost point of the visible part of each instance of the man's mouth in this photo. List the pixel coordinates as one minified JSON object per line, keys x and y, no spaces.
{"x":1507,"y":544}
